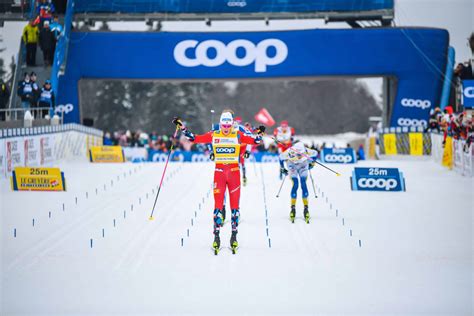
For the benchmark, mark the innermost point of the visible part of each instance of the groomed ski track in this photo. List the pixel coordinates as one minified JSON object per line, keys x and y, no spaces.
{"x":409,"y":252}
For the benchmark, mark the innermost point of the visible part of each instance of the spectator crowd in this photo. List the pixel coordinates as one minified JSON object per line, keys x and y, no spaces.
{"x":457,"y":125}
{"x":33,"y":97}
{"x":44,"y":31}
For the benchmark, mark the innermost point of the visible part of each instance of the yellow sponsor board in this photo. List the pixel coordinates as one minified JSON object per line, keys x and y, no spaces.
{"x":416,"y":144}
{"x":390,"y":143}
{"x":38,"y":179}
{"x":372,"y":143}
{"x":448,"y":153}
{"x":106,"y":154}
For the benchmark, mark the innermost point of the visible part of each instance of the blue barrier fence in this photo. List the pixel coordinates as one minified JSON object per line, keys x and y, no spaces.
{"x":189,"y":156}
{"x":230,"y":6}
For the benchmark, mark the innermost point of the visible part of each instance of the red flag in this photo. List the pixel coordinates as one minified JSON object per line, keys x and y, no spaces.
{"x":264,"y":117}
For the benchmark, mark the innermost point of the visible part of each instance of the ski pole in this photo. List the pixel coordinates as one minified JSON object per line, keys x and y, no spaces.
{"x":281,"y":186}
{"x":163,"y":175}
{"x":304,"y":155}
{"x":312,"y":182}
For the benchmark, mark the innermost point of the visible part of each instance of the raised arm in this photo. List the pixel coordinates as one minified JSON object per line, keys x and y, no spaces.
{"x":198,"y":139}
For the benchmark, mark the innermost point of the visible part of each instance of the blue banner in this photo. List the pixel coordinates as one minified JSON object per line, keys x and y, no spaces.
{"x":377,"y":179}
{"x":282,"y":54}
{"x":338,"y":155}
{"x":468,"y":94}
{"x":197,"y":156}
{"x":229,"y":6}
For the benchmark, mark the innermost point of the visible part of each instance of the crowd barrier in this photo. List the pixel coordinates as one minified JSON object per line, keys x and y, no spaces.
{"x":404,"y":141}
{"x":135,"y":154}
{"x":453,"y":154}
{"x":45,"y":146}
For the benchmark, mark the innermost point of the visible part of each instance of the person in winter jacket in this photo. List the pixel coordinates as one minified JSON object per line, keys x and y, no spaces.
{"x":47,"y":43}
{"x":30,"y":38}
{"x":46,"y":99}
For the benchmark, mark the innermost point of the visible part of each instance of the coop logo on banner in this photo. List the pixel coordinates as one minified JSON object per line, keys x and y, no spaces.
{"x":239,"y":4}
{"x":416,"y":103}
{"x":106,"y":154}
{"x":402,"y":121}
{"x":339,"y":155}
{"x":67,"y":108}
{"x":377,"y":179}
{"x":38,"y":179}
{"x":468,"y":94}
{"x":192,"y":53}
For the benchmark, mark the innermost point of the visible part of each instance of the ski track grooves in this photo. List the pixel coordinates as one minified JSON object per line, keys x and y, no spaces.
{"x":52,"y":240}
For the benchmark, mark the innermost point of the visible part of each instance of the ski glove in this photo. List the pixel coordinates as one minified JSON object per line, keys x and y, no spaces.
{"x":260,"y":130}
{"x":247,"y":154}
{"x":177,"y":121}
{"x":311,"y":165}
{"x":212,"y":156}
{"x":284,"y":171}
{"x":189,"y":135}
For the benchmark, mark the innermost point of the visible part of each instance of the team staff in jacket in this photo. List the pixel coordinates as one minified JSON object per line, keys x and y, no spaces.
{"x":27,"y":91}
{"x":46,"y":99}
{"x":226,"y":144}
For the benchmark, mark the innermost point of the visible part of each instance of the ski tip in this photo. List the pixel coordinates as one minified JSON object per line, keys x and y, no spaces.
{"x":338,"y":174}
{"x":150,"y":218}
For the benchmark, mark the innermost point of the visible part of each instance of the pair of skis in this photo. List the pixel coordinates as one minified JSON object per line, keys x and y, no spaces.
{"x":218,"y":249}
{"x":306,"y":219}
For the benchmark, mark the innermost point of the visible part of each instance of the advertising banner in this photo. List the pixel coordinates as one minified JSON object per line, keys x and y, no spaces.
{"x":377,"y":179}
{"x":47,"y":149}
{"x":38,"y":179}
{"x":3,"y":158}
{"x":106,"y":154}
{"x":338,"y":155}
{"x":468,"y":94}
{"x":416,"y":144}
{"x":15,"y":153}
{"x":195,"y":156}
{"x":448,"y":153}
{"x":135,"y":154}
{"x":390,"y":144}
{"x":266,"y":55}
{"x":32,"y":151}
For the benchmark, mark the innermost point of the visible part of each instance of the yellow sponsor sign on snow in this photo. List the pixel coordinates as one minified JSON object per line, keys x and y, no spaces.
{"x":390,"y":143}
{"x":38,"y":179}
{"x":372,"y":143}
{"x":416,"y":144}
{"x":106,"y":154}
{"x":448,"y":153}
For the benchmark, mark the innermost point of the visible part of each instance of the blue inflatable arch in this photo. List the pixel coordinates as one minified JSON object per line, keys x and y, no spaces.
{"x":415,"y":56}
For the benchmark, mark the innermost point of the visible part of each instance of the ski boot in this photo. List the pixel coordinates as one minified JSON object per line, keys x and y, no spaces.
{"x":216,"y":245}
{"x":292,"y":214}
{"x":233,"y":242}
{"x":306,"y":214}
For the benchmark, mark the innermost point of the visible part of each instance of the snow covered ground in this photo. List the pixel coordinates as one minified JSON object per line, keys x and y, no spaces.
{"x":414,"y":256}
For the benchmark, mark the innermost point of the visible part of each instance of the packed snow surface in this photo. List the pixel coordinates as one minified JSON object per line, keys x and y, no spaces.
{"x":363,"y":252}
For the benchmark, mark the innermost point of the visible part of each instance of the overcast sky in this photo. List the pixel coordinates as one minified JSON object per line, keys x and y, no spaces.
{"x":454,"y":15}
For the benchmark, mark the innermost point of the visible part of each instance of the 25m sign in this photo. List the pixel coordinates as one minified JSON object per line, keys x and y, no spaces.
{"x":377,"y":179}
